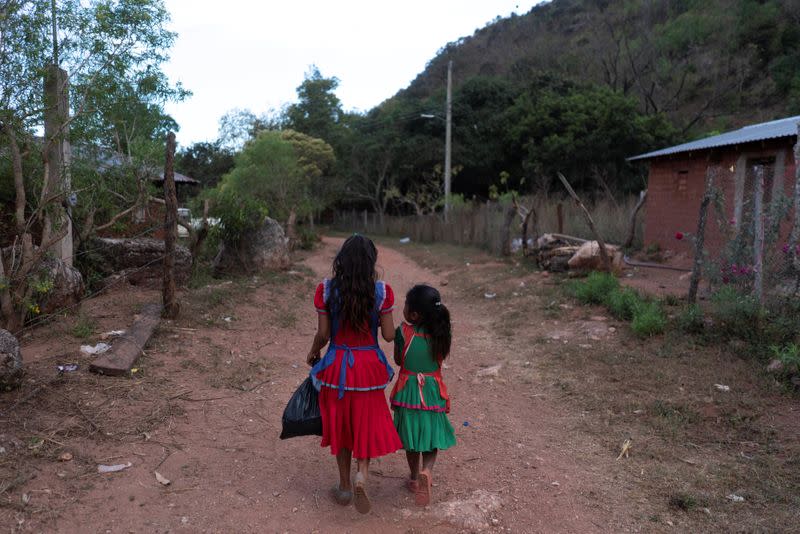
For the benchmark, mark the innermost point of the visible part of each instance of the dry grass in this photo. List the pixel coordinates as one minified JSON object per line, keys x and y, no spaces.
{"x":693,"y":445}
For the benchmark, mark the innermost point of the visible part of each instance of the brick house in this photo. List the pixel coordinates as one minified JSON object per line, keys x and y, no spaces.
{"x":740,"y":160}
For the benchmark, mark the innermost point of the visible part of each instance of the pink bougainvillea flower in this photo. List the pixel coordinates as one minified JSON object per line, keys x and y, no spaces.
{"x":785,"y":248}
{"x":678,"y":235}
{"x":734,"y":269}
{"x":732,"y":221}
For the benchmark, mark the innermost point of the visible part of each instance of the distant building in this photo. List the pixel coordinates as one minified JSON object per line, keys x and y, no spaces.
{"x":741,"y":158}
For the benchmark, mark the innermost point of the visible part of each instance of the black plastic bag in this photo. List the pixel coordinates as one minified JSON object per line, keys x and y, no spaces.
{"x":301,"y":416}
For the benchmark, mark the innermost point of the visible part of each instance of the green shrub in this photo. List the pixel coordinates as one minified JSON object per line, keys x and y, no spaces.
{"x":648,"y":319}
{"x":782,"y":324}
{"x":736,"y":314}
{"x":788,"y":355}
{"x":622,"y":302}
{"x":596,"y":288}
{"x":238,"y":214}
{"x":691,"y":320}
{"x":306,"y":237}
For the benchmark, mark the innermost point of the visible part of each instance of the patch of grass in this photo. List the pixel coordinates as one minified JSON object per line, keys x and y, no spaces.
{"x":674,"y":414}
{"x":685,"y":501}
{"x":648,"y":319}
{"x":691,"y":320}
{"x":84,"y":327}
{"x":201,"y":276}
{"x":736,"y":314}
{"x":595,"y":288}
{"x":622,"y":303}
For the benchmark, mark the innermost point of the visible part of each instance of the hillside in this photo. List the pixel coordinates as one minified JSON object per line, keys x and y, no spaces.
{"x":706,"y":64}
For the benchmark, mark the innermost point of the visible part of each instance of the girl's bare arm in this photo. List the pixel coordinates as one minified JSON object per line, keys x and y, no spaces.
{"x":387,"y":327}
{"x":320,"y":338}
{"x":398,"y":354}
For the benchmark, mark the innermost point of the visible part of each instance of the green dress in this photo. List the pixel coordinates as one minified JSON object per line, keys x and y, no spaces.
{"x":418,"y":399}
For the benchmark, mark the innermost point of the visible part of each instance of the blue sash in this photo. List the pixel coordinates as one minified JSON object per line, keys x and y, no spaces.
{"x":348,"y":359}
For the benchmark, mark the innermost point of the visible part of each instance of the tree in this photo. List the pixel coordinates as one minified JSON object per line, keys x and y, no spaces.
{"x":316,"y":160}
{"x":238,"y":126}
{"x":206,"y":162}
{"x":107,"y":48}
{"x":584,"y":132}
{"x":318,"y":111}
{"x":285,"y":170}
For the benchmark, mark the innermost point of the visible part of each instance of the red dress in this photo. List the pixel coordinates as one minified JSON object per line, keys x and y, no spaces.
{"x":351,"y":378}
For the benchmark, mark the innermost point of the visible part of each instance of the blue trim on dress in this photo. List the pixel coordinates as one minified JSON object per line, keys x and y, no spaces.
{"x":348,"y":359}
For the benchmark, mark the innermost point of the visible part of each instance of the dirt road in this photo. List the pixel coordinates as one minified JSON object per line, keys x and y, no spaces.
{"x":519,"y":465}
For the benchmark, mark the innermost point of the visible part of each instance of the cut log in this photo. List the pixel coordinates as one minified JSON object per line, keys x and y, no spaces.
{"x":127,"y":349}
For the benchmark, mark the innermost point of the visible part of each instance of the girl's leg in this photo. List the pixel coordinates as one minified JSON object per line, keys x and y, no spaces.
{"x":343,"y":459}
{"x":363,"y":467}
{"x":413,"y":463}
{"x":429,"y":459}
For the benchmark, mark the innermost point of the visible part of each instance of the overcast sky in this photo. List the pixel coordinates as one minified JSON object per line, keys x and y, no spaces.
{"x":253,"y":54}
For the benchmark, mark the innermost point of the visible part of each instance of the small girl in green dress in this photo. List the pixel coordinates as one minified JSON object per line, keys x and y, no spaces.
{"x":419,"y":397}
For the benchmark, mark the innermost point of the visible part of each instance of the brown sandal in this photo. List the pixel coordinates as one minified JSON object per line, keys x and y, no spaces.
{"x":361,"y":499}
{"x":422,"y":497}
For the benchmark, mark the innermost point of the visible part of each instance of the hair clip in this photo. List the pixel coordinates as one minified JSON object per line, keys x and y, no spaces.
{"x":437,"y":303}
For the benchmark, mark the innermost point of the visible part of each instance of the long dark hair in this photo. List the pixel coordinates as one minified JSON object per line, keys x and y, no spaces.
{"x":434,"y":318}
{"x":353,"y":284}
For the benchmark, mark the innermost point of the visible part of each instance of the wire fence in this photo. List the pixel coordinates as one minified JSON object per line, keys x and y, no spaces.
{"x":486,"y":224}
{"x":35,"y":273}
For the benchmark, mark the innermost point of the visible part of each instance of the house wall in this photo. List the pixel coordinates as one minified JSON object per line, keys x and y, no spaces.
{"x":677,"y":184}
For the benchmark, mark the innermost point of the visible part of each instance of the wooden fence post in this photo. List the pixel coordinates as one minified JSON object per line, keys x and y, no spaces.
{"x":758,"y":242}
{"x":632,"y":230}
{"x":602,"y":245}
{"x":505,"y":232}
{"x":171,"y":306}
{"x":699,"y":238}
{"x":560,"y":217}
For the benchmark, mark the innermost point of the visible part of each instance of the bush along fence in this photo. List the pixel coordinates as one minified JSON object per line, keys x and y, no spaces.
{"x":496,"y":225}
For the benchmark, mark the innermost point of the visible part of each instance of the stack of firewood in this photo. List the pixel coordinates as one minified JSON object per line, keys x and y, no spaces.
{"x":553,"y":251}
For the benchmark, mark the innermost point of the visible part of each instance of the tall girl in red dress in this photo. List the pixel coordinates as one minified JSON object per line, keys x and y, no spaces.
{"x":352,"y":374}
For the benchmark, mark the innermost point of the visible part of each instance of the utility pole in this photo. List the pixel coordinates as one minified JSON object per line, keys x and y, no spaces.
{"x":448,"y":138}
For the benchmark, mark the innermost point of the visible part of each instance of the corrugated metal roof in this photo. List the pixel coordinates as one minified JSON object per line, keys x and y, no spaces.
{"x":756,"y":132}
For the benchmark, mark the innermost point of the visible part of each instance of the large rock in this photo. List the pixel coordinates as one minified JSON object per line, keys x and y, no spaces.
{"x":68,"y":286}
{"x":10,"y":361}
{"x":140,"y":261}
{"x":266,"y":249}
{"x":56,"y":284}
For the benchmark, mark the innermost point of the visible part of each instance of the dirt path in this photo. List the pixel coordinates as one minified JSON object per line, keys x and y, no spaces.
{"x":520,"y":465}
